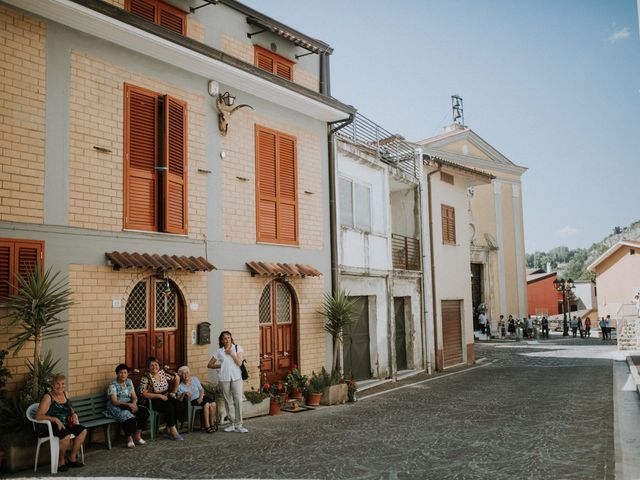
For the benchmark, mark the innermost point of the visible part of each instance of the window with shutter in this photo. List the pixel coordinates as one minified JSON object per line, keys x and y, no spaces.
{"x":448,"y":225}
{"x":18,"y":256}
{"x":160,"y":13}
{"x":273,"y":63}
{"x":276,"y":187}
{"x":155,"y":187}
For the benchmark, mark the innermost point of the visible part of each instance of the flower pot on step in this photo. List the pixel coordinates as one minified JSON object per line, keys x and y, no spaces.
{"x":313,"y":399}
{"x":334,"y":394}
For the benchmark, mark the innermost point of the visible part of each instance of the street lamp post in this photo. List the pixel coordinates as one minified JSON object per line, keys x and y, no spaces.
{"x":565,"y":287}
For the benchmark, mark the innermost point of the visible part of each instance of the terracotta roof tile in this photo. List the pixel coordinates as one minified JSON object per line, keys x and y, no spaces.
{"x":158,"y":262}
{"x":272,"y":269}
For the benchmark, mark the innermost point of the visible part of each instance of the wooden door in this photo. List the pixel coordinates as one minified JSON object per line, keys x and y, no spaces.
{"x":357,"y":360}
{"x":401,"y":335}
{"x":451,"y":332}
{"x":278,"y":352}
{"x":153,"y":324}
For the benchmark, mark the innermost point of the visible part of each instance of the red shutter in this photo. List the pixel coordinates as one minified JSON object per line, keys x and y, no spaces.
{"x":287,"y":190}
{"x":175,"y":159}
{"x":448,"y":224}
{"x":141,"y":132}
{"x":6,"y":263}
{"x":28,"y":256}
{"x":266,"y":189}
{"x":264,"y":62}
{"x":284,"y":70}
{"x":171,"y":18}
{"x":143,"y":8}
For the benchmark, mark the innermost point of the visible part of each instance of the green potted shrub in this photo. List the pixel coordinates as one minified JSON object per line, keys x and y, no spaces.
{"x":339,"y":311}
{"x":335,"y":389}
{"x":314,"y":388}
{"x":297,"y":383}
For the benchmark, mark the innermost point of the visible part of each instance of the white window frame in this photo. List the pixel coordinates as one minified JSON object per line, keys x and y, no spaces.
{"x":356,"y":216}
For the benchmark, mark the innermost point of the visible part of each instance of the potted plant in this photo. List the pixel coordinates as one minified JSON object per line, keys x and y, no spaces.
{"x":335,"y":388}
{"x":339,"y":311}
{"x":314,"y":388}
{"x":275,"y":393}
{"x":352,"y":388}
{"x":259,"y":403}
{"x":297,"y":383}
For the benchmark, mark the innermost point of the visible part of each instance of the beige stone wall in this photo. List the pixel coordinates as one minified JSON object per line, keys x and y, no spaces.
{"x":16,"y":365}
{"x":96,"y":109}
{"x":96,"y":329}
{"x":117,"y":3}
{"x":22,"y":117}
{"x":239,"y":183}
{"x":306,"y":79}
{"x":195,"y":29}
{"x":241,"y":300}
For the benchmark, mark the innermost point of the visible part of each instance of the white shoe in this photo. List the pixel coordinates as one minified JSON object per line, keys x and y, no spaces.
{"x":140,"y":441}
{"x":230,"y":428}
{"x":241,"y":429}
{"x":130,"y":444}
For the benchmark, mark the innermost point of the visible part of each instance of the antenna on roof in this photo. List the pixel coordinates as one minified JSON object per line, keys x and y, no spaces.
{"x":458,"y":111}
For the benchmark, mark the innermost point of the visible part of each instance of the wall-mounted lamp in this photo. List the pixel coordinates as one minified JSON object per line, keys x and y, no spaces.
{"x":224,"y":103}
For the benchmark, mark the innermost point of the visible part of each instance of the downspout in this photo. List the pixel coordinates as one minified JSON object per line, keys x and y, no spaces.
{"x":332,"y":201}
{"x":424,"y":305}
{"x":433,"y":268}
{"x":325,"y":85}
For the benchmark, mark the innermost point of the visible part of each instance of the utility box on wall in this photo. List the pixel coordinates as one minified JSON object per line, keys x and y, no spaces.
{"x":204,"y":333}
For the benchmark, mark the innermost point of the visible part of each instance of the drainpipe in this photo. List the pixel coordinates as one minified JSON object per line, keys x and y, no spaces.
{"x":333,"y":228}
{"x":424,"y":304}
{"x":433,"y":268}
{"x":325,"y":85}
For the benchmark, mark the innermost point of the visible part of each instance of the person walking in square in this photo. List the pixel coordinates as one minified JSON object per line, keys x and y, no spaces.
{"x":482,"y":320}
{"x":609,"y":326}
{"x":574,"y":327}
{"x":603,"y":328}
{"x":587,"y":327}
{"x":512,"y":326}
{"x":580,"y":328}
{"x":545,"y":327}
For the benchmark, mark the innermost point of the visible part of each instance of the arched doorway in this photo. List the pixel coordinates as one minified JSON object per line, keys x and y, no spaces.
{"x":154,"y":318}
{"x":277,"y":318}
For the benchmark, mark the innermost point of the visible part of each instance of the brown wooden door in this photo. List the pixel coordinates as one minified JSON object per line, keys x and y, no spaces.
{"x":357,"y":358}
{"x":451,"y":332}
{"x":153,"y":324}
{"x":278,"y":352}
{"x":401,"y":334}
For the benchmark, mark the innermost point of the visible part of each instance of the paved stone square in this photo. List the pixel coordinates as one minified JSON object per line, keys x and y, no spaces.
{"x":525,"y":411}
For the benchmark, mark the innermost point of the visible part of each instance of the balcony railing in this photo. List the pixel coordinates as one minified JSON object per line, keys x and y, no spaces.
{"x":388,"y":147}
{"x":405,"y":252}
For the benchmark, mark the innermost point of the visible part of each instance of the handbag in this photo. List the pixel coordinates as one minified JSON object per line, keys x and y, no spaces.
{"x":243,"y":368}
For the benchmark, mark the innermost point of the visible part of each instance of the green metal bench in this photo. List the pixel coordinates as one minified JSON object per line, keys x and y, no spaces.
{"x":90,"y":410}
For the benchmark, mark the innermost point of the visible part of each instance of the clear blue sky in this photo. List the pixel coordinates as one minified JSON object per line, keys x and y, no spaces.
{"x":552,"y":84}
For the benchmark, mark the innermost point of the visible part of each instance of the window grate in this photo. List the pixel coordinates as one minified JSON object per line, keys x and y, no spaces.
{"x":165,"y":307}
{"x":265,"y":306}
{"x":135,"y":316}
{"x":283,"y":303}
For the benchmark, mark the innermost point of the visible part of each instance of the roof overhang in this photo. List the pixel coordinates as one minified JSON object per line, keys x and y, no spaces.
{"x":119,"y":27}
{"x":614,"y":248}
{"x":478,"y":177}
{"x":272,"y":269}
{"x":160,"y":263}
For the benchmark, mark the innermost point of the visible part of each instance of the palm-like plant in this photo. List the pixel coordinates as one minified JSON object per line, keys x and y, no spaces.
{"x":339,"y":311}
{"x":35,"y":308}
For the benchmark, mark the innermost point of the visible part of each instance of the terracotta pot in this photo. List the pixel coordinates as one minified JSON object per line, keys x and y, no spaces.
{"x":274,"y":407}
{"x":297,"y":394}
{"x":313,"y":399}
{"x":285,"y":396}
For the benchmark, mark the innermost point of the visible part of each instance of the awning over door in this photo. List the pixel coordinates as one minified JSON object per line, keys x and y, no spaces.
{"x":271,"y":269}
{"x":158,"y":262}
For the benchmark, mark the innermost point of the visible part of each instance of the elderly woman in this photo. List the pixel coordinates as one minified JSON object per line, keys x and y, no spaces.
{"x":228,"y":359}
{"x":191,"y":389}
{"x":159,"y":388}
{"x":57,"y":408}
{"x":123,"y":406}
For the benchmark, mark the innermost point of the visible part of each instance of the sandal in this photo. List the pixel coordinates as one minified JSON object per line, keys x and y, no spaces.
{"x":210,"y":429}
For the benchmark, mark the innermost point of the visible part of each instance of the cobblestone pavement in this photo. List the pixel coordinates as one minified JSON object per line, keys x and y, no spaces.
{"x":541,"y":411}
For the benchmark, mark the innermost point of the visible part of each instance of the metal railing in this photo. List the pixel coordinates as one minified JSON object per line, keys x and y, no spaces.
{"x":388,"y":147}
{"x":405,"y":252}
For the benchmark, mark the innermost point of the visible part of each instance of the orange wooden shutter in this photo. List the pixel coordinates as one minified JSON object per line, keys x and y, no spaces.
{"x":143,"y":8}
{"x":171,"y":18}
{"x":284,"y":70}
{"x":273,"y":63}
{"x":141,"y":132}
{"x":264,"y":62}
{"x":287,"y":190}
{"x":448,"y":224}
{"x":6,"y":263}
{"x":175,"y":159}
{"x":266,"y":189}
{"x":27,"y":255}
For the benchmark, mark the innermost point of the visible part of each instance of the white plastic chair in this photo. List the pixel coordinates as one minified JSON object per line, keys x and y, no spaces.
{"x":54,"y":441}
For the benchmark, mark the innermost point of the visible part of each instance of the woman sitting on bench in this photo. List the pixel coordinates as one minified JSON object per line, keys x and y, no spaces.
{"x":123,"y":407}
{"x":159,"y":388}
{"x":191,"y":389}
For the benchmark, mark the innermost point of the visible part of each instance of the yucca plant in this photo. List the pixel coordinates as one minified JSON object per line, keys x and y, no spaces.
{"x":339,"y":311}
{"x":35,"y":309}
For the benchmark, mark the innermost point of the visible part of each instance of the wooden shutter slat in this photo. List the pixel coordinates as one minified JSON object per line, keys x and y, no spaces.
{"x":28,"y":257}
{"x":141,"y":157}
{"x":264,"y":62}
{"x":266,"y":188}
{"x":171,"y":18}
{"x":175,"y":159}
{"x":143,"y":8}
{"x":6,"y":262}
{"x":283,"y":70}
{"x":287,"y":191}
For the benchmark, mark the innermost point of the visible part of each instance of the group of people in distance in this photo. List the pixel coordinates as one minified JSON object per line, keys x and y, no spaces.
{"x":164,"y":391}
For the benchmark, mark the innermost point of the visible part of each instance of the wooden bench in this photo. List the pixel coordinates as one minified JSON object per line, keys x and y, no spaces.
{"x":90,"y":410}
